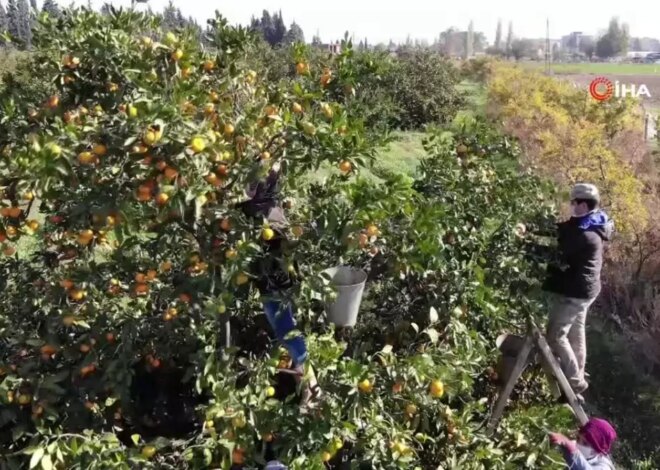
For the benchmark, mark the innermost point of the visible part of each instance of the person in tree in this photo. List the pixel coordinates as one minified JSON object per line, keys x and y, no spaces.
{"x":591,"y":450}
{"x":274,"y":279}
{"x":576,"y":283}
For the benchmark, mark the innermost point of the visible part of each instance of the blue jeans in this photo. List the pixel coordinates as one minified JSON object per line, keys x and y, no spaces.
{"x":280,"y":317}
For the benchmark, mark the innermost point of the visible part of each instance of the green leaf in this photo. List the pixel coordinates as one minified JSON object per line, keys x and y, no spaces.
{"x":433,"y":334}
{"x":531,"y":459}
{"x":46,"y":463}
{"x":433,"y":315}
{"x":208,"y":456}
{"x":135,"y":438}
{"x":36,"y":457}
{"x":130,"y":141}
{"x":110,"y":401}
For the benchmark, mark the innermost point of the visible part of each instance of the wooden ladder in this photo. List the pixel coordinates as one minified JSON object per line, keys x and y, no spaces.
{"x":535,"y":342}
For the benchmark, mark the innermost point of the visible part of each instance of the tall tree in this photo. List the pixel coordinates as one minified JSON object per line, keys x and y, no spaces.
{"x":605,"y":47}
{"x":587,"y":47}
{"x":25,"y":22}
{"x":294,"y":34}
{"x":615,"y":41}
{"x":480,"y":42}
{"x":498,"y":36}
{"x":509,"y":39}
{"x":50,"y":7}
{"x":452,"y":42}
{"x":522,"y":48}
{"x":267,"y":27}
{"x":624,"y":39}
{"x":469,"y":42}
{"x":13,"y":19}
{"x":4,"y":21}
{"x":279,"y":29}
{"x":169,"y":16}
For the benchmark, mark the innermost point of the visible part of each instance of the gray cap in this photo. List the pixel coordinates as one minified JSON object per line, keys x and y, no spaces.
{"x":585,"y":191}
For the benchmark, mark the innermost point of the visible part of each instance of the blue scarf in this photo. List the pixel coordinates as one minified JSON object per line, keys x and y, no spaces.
{"x":593,"y":220}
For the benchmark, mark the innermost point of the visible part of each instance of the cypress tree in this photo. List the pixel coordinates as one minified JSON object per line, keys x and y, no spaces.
{"x":170,"y":19}
{"x":295,"y":34}
{"x":4,"y":21}
{"x":50,"y":7}
{"x":267,"y":28}
{"x":279,"y":29}
{"x":25,"y":22}
{"x":13,"y":19}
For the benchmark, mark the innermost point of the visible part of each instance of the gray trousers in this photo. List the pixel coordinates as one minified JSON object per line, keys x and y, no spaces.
{"x":567,"y":338}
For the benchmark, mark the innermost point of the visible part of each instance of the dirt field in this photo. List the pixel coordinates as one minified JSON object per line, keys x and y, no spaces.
{"x":652,"y":82}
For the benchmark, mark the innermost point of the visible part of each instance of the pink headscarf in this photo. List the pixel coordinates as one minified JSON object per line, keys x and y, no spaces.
{"x":599,"y":434}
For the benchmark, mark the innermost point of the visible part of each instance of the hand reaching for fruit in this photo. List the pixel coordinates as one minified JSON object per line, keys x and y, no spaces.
{"x":560,"y":440}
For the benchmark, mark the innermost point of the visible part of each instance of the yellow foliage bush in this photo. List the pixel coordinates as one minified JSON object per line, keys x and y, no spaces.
{"x":568,"y":137}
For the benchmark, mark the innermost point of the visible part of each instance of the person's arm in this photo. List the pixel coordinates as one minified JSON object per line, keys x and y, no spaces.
{"x":574,"y":459}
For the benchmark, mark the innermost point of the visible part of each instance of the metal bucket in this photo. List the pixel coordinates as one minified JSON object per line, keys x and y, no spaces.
{"x":349,"y":283}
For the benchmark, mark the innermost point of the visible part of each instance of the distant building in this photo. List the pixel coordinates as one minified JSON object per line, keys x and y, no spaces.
{"x":646,"y":44}
{"x":332,"y":48}
{"x":572,"y":42}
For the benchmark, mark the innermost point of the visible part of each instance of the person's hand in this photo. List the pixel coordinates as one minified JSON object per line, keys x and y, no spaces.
{"x":557,"y":439}
{"x":560,"y":440}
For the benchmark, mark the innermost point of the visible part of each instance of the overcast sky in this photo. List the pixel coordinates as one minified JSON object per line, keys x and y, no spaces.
{"x":381,"y":20}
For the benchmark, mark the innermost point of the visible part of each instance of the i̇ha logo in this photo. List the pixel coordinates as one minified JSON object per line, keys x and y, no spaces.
{"x":603,"y":89}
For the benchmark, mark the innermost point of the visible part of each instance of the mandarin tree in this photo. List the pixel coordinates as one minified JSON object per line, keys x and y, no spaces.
{"x":132,"y":153}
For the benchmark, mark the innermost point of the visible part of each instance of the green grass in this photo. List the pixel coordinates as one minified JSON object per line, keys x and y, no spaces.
{"x":475,"y":95}
{"x":600,"y":68}
{"x":402,"y":155}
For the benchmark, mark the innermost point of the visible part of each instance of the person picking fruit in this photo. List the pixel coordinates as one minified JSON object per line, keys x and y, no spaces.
{"x":275,"y":465}
{"x":591,"y":450}
{"x":273,"y":280}
{"x":576,"y":284}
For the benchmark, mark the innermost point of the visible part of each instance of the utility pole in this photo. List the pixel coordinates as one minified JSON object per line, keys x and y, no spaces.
{"x":548,"y":51}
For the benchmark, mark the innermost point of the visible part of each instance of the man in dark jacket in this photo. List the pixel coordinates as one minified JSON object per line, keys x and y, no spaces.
{"x":576,"y":284}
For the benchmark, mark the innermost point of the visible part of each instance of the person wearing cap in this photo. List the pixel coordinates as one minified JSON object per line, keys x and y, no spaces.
{"x":576,"y":283}
{"x":592,"y":449}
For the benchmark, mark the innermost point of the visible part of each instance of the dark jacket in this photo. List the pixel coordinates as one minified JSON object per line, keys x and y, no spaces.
{"x":273,"y":276}
{"x":581,"y":241}
{"x":265,"y":198}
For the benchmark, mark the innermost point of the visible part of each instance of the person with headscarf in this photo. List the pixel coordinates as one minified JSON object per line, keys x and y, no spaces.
{"x":591,"y":450}
{"x":273,"y":280}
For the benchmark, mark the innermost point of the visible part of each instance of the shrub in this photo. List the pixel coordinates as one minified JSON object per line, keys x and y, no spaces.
{"x":422,"y":84}
{"x":567,"y":136}
{"x":478,"y":69}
